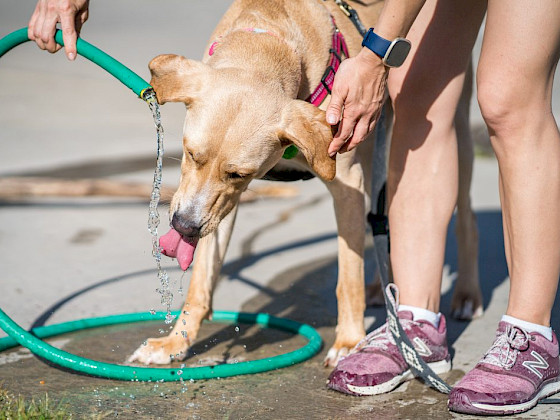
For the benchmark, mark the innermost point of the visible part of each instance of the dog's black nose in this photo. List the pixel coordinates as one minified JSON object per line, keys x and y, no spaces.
{"x":184,"y":226}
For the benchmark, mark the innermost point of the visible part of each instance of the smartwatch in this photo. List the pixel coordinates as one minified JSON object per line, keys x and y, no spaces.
{"x":393,"y":52}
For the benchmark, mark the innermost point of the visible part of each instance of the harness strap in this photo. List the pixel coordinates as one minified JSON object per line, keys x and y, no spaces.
{"x":324,"y":88}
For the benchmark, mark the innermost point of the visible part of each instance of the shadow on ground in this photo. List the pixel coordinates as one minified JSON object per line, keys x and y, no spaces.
{"x":305,"y":293}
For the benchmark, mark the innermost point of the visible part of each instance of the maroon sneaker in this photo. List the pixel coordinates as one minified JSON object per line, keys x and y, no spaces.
{"x":520,"y":369}
{"x":375,"y":365}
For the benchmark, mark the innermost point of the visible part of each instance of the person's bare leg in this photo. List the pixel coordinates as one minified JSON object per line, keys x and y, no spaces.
{"x":516,"y":70}
{"x":423,"y":166}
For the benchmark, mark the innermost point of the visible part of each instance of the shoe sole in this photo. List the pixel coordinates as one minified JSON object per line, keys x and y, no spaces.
{"x":464,"y":405}
{"x":442,"y":366}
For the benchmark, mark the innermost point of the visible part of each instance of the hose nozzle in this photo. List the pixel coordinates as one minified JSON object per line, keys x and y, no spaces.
{"x":148,"y":94}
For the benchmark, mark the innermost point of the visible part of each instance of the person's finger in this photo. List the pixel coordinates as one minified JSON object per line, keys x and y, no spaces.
{"x":335,"y":145}
{"x":37,"y":26}
{"x":83,"y":17}
{"x":32,"y":22}
{"x":361,"y":130}
{"x":345,"y":130}
{"x":69,"y":34}
{"x":334,"y":110}
{"x":48,"y":30}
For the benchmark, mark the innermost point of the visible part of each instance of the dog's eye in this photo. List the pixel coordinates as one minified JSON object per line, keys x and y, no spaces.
{"x":236,"y":175}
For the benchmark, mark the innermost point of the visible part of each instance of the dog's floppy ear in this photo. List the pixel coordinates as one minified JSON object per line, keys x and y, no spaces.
{"x":305,"y":126}
{"x":176,"y":78}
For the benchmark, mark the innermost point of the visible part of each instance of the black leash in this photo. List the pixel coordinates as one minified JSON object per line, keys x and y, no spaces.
{"x":380,"y":229}
{"x":352,"y":14}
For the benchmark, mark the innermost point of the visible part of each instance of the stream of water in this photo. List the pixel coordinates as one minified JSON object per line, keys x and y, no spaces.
{"x":164,"y":288}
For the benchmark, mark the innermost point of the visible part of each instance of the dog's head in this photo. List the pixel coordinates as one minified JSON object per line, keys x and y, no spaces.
{"x":236,"y":129}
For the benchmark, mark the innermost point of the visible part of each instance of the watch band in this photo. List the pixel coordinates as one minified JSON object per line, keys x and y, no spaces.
{"x":376,"y":43}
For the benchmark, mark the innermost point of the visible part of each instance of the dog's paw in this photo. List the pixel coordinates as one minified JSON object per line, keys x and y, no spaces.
{"x":466,"y":306}
{"x":334,"y":355}
{"x":160,"y":351}
{"x":374,"y":294}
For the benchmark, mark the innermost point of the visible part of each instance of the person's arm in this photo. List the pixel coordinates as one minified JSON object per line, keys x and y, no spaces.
{"x":359,"y":86}
{"x":71,"y":14}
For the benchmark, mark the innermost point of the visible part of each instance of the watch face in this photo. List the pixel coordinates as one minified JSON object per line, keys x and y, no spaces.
{"x":397,"y":52}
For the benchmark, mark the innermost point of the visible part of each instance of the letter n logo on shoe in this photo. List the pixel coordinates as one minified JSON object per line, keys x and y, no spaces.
{"x":421,"y":347}
{"x":539,"y":363}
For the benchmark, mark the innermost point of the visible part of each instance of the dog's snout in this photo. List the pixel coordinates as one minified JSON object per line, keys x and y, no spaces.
{"x":184,"y":226}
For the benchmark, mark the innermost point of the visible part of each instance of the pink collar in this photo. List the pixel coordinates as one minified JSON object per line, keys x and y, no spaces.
{"x":339,"y":47}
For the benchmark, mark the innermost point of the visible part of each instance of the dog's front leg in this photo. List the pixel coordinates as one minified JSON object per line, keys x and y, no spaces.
{"x":467,"y":296}
{"x":210,"y":254}
{"x":348,"y":191}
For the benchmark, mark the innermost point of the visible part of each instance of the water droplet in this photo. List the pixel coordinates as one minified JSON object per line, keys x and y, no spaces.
{"x":169,"y":318}
{"x":179,"y":372}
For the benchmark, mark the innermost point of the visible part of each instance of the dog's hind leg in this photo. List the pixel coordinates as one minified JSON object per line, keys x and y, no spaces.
{"x":210,"y":254}
{"x":349,"y":195}
{"x":467,"y":297}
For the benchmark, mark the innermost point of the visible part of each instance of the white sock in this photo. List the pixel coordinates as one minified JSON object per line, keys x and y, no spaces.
{"x":422,"y":314}
{"x":529,"y":326}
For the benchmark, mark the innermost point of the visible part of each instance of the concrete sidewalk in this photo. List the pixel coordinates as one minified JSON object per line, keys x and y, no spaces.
{"x":92,"y":257}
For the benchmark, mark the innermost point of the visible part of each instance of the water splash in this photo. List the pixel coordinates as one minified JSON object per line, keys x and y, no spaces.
{"x":153,"y":217}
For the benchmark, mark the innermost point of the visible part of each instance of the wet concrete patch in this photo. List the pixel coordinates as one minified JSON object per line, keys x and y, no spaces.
{"x":305,"y":294}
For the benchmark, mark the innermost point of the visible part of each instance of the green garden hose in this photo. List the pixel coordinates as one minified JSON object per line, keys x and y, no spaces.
{"x":31,"y":340}
{"x":130,"y":79}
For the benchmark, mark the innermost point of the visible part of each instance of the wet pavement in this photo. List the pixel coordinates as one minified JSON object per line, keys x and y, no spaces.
{"x":70,"y":258}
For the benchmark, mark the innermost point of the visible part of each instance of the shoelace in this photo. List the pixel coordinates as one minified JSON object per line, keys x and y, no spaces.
{"x":381,"y":337}
{"x":506,"y":347}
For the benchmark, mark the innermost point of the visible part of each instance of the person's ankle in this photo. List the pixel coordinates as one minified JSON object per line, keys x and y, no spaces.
{"x":421,"y":314}
{"x":544,"y":330}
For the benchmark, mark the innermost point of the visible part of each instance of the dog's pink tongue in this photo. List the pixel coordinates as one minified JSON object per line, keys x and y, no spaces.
{"x":175,"y":246}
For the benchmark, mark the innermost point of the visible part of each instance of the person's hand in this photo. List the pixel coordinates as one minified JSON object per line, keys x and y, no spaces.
{"x":70,"y":13}
{"x":357,"y":97}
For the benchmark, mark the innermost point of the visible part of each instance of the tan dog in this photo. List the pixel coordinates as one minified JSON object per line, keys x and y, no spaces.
{"x":244,"y":108}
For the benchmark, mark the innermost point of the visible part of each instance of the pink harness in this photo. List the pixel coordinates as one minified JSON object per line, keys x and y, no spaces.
{"x":339,"y":47}
{"x":324,"y":88}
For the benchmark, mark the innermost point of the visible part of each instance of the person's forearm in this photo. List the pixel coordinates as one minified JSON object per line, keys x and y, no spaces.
{"x":359,"y":86}
{"x":397,"y":17}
